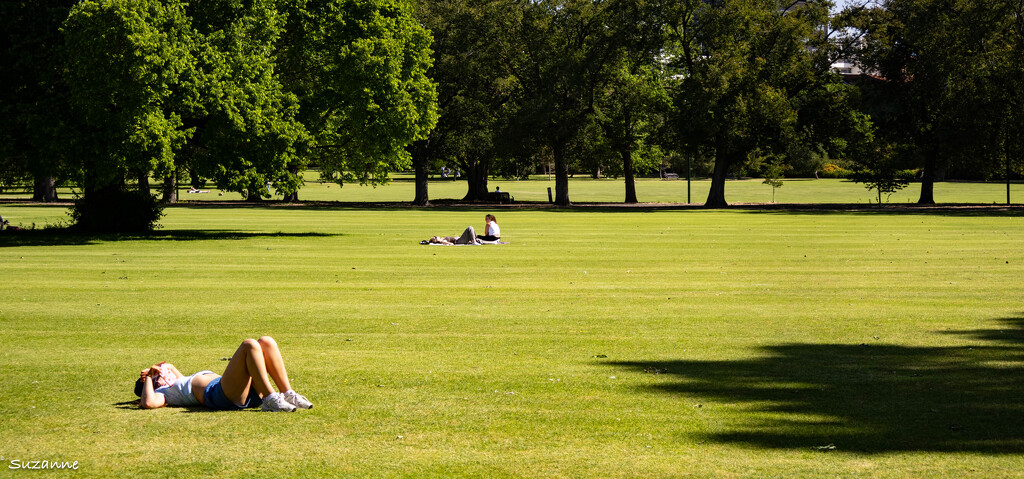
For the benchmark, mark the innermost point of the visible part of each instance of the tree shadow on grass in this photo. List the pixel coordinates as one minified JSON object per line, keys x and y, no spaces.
{"x":49,"y":237}
{"x":869,"y":398}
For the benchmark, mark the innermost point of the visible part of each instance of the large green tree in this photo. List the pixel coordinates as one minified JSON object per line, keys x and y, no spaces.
{"x":471,"y":96}
{"x":148,"y":77}
{"x":632,"y":107}
{"x":35,"y":137}
{"x":123,"y":58}
{"x":247,"y":133}
{"x":633,"y":102}
{"x":244,"y":92}
{"x":946,"y":84}
{"x":359,"y":70}
{"x":556,"y":53}
{"x":749,"y":76}
{"x":1000,"y":90}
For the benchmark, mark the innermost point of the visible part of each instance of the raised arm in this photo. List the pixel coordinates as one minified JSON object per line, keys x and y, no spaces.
{"x":175,"y":371}
{"x":150,"y":398}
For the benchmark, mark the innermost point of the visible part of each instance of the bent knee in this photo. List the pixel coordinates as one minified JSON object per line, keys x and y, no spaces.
{"x":251,"y":344}
{"x":267,"y":341}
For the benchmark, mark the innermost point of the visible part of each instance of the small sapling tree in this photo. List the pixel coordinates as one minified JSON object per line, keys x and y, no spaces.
{"x":887,"y":181}
{"x":880,"y":173}
{"x":773,"y":174}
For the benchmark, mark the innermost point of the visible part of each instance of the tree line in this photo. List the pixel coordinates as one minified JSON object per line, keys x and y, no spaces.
{"x":727,"y":88}
{"x":105,"y":94}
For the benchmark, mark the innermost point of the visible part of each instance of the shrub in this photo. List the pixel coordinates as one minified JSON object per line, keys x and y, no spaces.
{"x":831,"y":170}
{"x":116,"y":211}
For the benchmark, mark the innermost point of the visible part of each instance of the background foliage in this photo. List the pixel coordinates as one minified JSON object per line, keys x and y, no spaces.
{"x":247,"y":94}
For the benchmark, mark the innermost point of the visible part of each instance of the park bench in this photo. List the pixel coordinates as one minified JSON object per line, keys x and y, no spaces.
{"x":671,"y":176}
{"x":499,"y":197}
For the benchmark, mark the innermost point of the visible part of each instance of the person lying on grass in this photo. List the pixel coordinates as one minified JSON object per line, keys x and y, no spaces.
{"x":468,"y":237}
{"x":445,"y":240}
{"x":245,"y":383}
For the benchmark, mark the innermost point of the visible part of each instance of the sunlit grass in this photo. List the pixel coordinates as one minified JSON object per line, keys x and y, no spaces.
{"x":596,"y":344}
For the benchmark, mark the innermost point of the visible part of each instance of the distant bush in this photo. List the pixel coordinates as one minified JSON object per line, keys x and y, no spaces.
{"x":831,"y":170}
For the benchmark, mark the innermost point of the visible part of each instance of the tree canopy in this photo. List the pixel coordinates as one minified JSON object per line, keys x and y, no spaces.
{"x":32,"y":129}
{"x":244,"y":93}
{"x":106,"y":94}
{"x":359,"y":69}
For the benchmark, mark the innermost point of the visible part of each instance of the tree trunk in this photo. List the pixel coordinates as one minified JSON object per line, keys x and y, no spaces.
{"x":716,"y":197}
{"x":627,"y":171}
{"x":45,"y":189}
{"x":420,"y":163}
{"x":928,"y":182}
{"x":292,"y":197}
{"x":471,"y":183}
{"x":476,"y":179}
{"x":561,"y":176}
{"x":144,"y":182}
{"x":597,"y":172}
{"x":170,"y":188}
{"x":255,"y":193}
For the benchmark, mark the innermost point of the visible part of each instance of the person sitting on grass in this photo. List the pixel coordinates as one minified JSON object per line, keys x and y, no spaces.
{"x":245,"y":383}
{"x":491,"y":230}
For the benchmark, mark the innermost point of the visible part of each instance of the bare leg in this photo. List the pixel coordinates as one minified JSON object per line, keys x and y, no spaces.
{"x":247,"y":367}
{"x":275,"y":364}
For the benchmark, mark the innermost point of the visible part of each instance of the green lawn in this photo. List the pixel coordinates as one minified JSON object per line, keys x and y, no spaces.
{"x":597,"y":344}
{"x":649,"y":190}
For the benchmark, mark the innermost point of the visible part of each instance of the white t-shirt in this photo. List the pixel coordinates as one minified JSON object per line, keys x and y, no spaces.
{"x":493,"y":230}
{"x":180,"y":393}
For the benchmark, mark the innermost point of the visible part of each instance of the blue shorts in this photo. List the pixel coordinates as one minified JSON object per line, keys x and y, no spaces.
{"x":215,"y":398}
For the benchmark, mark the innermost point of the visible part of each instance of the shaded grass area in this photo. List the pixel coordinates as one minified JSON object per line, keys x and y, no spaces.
{"x":872,"y":397}
{"x":650,"y":343}
{"x":54,"y":237}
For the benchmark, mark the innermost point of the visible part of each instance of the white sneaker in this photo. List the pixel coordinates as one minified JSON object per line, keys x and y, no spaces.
{"x":297,"y":400}
{"x":275,"y":402}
